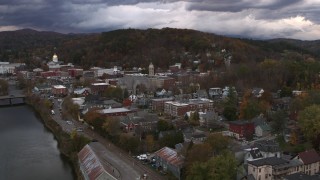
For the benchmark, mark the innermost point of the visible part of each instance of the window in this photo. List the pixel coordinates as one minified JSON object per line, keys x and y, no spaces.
{"x":259,"y":178}
{"x":254,"y":169}
{"x":266,"y":176}
{"x":259,"y":170}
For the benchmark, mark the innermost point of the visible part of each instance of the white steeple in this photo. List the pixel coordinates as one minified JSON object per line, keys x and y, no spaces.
{"x":151,"y":69}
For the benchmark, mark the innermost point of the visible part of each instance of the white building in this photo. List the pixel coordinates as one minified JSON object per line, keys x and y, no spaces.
{"x":6,"y":67}
{"x":98,"y":72}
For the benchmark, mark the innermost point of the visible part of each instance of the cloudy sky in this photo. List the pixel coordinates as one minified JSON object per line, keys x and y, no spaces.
{"x":263,"y":19}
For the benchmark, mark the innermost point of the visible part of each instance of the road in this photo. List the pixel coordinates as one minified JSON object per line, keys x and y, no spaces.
{"x":119,"y":158}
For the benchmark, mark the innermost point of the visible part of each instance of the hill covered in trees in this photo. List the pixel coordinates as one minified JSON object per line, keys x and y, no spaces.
{"x":137,"y":48}
{"x":270,"y":64}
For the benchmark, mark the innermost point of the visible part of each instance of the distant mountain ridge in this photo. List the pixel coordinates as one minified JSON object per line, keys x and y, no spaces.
{"x":133,"y":47}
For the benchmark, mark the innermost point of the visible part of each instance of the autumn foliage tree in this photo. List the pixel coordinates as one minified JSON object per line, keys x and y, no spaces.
{"x":3,"y":87}
{"x":223,"y":166}
{"x":309,"y":122}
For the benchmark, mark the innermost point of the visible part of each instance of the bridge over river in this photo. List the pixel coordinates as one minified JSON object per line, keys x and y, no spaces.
{"x":15,"y":97}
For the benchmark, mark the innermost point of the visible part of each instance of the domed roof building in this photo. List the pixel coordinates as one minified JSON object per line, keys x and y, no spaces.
{"x":55,"y":58}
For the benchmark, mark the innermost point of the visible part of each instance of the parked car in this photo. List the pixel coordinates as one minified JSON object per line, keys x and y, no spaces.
{"x":142,"y":157}
{"x":69,"y":122}
{"x":52,"y":112}
{"x":79,"y":129}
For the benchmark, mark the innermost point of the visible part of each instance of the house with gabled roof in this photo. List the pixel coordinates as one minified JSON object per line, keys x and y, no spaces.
{"x":272,"y":168}
{"x":168,"y":159}
{"x":310,"y":160}
{"x":257,"y":92}
{"x":268,"y":148}
{"x":82,"y":91}
{"x":262,"y":128}
{"x":201,"y":93}
{"x":252,"y":154}
{"x":301,"y":176}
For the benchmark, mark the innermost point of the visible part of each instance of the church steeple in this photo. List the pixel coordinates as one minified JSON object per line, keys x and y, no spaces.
{"x":151,"y":69}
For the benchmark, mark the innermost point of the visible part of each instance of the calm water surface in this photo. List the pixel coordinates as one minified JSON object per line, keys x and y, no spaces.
{"x":28,"y":151}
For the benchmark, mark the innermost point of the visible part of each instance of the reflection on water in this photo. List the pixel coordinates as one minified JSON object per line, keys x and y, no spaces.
{"x":28,"y":150}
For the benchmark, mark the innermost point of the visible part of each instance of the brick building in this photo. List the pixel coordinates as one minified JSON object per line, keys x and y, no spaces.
{"x":158,"y":104}
{"x":98,"y":88}
{"x":241,"y":129}
{"x":75,"y":72}
{"x":176,"y":109}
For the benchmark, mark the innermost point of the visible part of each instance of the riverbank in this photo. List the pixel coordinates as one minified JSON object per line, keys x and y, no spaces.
{"x":68,"y":145}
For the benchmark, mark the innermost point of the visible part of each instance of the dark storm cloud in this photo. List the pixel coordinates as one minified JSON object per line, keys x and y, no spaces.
{"x":253,"y":18}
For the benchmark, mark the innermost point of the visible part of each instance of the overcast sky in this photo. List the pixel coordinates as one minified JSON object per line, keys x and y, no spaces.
{"x":263,"y":19}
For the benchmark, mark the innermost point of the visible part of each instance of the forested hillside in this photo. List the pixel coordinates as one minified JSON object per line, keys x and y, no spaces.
{"x":137,"y":48}
{"x":270,"y":64}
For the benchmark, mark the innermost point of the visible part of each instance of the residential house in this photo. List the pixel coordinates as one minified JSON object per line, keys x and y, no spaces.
{"x":209,"y":119}
{"x":215,"y":93}
{"x":268,"y":148}
{"x":310,"y":160}
{"x":252,"y":154}
{"x":194,"y":135}
{"x":226,"y":91}
{"x":262,"y":128}
{"x":127,"y":124}
{"x":201,"y":93}
{"x":281,"y":104}
{"x":82,"y":91}
{"x":168,"y":159}
{"x":272,"y":168}
{"x":241,"y":129}
{"x":301,"y":176}
{"x":161,"y":93}
{"x":257,"y":92}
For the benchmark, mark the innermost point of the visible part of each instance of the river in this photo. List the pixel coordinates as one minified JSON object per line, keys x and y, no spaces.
{"x":28,"y":151}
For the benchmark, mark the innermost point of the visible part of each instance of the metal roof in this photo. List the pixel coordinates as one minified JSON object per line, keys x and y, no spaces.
{"x":171,"y":156}
{"x":91,"y":164}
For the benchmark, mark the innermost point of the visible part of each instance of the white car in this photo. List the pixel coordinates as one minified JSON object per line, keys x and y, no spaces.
{"x":52,"y":112}
{"x":142,"y":157}
{"x":69,"y":122}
